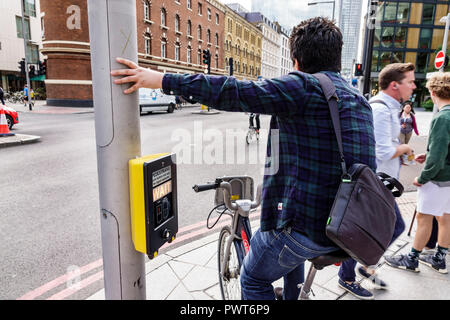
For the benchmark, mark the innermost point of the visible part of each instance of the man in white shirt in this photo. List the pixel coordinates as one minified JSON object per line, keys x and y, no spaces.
{"x":396,"y":83}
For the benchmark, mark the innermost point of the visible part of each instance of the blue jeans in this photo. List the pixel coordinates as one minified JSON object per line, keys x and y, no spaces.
{"x":275,"y":254}
{"x":347,"y":269}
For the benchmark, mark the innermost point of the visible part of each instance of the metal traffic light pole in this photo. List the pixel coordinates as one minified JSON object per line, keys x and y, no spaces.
{"x":112,"y":32}
{"x":27,"y":76}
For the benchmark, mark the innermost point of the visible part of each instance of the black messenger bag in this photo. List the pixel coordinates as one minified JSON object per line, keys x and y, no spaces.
{"x":362,"y":219}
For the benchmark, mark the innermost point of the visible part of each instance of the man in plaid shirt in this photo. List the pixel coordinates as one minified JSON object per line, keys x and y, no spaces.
{"x":297,"y":196}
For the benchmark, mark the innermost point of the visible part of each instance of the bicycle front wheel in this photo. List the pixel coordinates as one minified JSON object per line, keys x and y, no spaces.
{"x":229,"y":267}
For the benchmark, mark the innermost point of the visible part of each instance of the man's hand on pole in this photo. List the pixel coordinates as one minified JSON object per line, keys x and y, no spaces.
{"x":140,"y":77}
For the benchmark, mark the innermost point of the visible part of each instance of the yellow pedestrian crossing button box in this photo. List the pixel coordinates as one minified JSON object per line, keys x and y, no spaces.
{"x":153,"y":202}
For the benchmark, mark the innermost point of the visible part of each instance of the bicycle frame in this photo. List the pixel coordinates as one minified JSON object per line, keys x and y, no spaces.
{"x":240,"y":237}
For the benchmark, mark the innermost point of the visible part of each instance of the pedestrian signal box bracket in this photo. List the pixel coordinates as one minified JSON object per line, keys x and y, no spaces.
{"x":153,"y":202}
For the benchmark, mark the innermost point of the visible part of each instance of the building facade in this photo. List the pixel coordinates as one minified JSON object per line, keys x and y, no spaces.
{"x":271,"y":47}
{"x":171,"y":35}
{"x":66,"y":45}
{"x":349,"y":23}
{"x":12,"y":42}
{"x":243,"y":44}
{"x":286,"y":64}
{"x":408,"y":31}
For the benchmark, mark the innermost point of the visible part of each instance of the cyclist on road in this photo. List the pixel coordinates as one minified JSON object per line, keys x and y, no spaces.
{"x":253,"y":116}
{"x":297,"y":195}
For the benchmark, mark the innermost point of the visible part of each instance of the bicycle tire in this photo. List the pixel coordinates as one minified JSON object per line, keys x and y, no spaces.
{"x":230,"y":286}
{"x":250,"y":136}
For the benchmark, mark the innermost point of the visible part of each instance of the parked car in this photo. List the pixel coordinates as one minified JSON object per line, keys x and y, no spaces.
{"x":155,"y":100}
{"x":11,"y":116}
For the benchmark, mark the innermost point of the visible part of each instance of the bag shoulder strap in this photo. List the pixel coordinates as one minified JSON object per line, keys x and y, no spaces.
{"x":378,"y":101}
{"x":329,"y":89}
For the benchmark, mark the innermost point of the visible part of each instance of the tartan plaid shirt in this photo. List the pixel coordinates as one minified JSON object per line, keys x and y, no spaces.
{"x":301,"y":193}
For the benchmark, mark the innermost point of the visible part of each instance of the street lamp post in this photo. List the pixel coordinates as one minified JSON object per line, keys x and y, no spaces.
{"x":315,"y":3}
{"x":25,"y":40}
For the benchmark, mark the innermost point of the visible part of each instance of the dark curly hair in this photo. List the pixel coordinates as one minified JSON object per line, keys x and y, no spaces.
{"x":316,"y":43}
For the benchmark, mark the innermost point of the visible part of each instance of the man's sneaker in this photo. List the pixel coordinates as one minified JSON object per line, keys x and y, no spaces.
{"x":403,"y":261}
{"x":356,"y":290}
{"x":430,"y":261}
{"x":377,"y":283}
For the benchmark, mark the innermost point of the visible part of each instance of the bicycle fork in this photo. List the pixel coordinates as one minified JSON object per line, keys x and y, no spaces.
{"x":242,"y":224}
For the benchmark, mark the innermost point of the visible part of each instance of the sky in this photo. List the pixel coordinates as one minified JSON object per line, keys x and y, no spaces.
{"x":289,"y":13}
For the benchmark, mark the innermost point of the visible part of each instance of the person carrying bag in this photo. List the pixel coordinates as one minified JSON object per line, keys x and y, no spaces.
{"x":362,"y":218}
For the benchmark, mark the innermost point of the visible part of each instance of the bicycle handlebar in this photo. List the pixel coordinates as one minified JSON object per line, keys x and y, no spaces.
{"x":205,"y":187}
{"x":226,"y":186}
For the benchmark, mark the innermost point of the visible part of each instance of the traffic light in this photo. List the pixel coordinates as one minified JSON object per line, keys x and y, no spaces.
{"x":358,"y":70}
{"x":42,"y":67}
{"x":22,"y":66}
{"x":32,"y":72}
{"x":207,"y":59}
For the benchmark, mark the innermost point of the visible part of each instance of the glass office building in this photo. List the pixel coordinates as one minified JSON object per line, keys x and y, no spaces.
{"x":409,"y":31}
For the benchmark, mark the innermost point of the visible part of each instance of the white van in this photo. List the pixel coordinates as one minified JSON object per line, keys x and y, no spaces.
{"x":155,"y":100}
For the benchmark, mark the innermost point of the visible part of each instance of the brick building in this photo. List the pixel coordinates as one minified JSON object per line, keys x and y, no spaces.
{"x":171,"y":35}
{"x":66,"y":44}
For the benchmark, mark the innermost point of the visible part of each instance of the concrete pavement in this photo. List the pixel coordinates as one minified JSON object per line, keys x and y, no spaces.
{"x":190,"y":272}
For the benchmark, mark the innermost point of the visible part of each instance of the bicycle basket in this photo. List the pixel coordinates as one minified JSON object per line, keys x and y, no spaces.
{"x":242,"y":187}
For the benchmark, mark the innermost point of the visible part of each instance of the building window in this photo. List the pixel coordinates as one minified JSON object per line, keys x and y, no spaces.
{"x":189,"y":4}
{"x":147,"y":15}
{"x":199,"y":9}
{"x":400,"y":37}
{"x":390,"y":12}
{"x":209,"y":14}
{"x":208,"y":36}
{"x":163,"y":48}
{"x":19,"y":27}
{"x":177,"y":52}
{"x":425,"y":38}
{"x":428,"y":13}
{"x":189,"y":28}
{"x":148,"y":44}
{"x":199,"y":56}
{"x":199,"y":32}
{"x":385,"y":59}
{"x":189,"y":52}
{"x":177,"y":23}
{"x":403,"y":12}
{"x":30,"y":8}
{"x":387,"y":37}
{"x":398,"y":57}
{"x":216,"y":39}
{"x":32,"y":53}
{"x":422,"y":61}
{"x":163,"y":17}
{"x":216,"y":61}
{"x":217,"y":18}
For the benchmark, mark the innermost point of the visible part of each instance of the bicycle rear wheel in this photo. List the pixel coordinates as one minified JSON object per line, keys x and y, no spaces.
{"x":229,"y":282}
{"x":250,"y":136}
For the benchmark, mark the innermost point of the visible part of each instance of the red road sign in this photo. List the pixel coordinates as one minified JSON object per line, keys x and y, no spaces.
{"x":440,"y":59}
